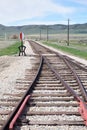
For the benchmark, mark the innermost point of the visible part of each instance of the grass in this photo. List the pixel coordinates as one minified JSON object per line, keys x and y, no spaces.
{"x":74,"y":49}
{"x":82,"y":53}
{"x":11,"y":50}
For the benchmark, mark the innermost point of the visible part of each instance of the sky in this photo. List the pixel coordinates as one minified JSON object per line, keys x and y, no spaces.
{"x":35,"y":12}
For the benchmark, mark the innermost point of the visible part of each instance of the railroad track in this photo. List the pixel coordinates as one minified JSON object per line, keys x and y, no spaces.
{"x":57,"y":96}
{"x":10,"y":100}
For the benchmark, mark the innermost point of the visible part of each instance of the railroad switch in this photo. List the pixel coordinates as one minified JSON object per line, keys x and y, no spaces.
{"x":83,"y":110}
{"x":22,"y":50}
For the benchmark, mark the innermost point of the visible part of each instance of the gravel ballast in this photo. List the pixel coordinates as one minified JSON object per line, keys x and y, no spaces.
{"x":13,"y":68}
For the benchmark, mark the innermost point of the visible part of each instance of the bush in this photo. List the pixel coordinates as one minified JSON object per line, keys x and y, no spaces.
{"x":15,"y":36}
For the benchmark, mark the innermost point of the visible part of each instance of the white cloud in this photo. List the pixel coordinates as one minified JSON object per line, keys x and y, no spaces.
{"x":11,"y":11}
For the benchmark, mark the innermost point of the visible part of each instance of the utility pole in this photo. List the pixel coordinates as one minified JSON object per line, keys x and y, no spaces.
{"x":40,"y":33}
{"x":47,"y":33}
{"x":68,"y":33}
{"x":5,"y":36}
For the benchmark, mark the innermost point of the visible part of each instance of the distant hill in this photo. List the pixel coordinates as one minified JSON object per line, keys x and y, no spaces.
{"x":35,"y":29}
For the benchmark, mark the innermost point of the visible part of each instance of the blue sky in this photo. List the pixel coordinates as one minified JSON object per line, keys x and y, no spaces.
{"x":26,"y":12}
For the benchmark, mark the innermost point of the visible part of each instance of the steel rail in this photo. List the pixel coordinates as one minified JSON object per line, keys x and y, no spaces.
{"x":28,"y":92}
{"x":18,"y":113}
{"x":82,"y":104}
{"x":67,"y":58}
{"x":70,"y":60}
{"x":62,"y":81}
{"x":33,"y":46}
{"x":36,"y":48}
{"x":6,"y":126}
{"x":83,"y":91}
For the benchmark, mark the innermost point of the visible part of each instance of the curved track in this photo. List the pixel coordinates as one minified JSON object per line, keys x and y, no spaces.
{"x":58,"y":90}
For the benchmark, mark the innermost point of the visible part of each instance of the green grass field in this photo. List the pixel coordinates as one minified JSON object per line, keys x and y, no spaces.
{"x":79,"y":50}
{"x":10,"y":50}
{"x":77,"y":46}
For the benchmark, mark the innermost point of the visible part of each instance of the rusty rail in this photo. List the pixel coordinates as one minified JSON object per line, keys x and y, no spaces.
{"x":28,"y":92}
{"x":83,"y":91}
{"x":18,"y":113}
{"x":82,"y":104}
{"x":83,"y":111}
{"x":71,"y":60}
{"x":62,"y":81}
